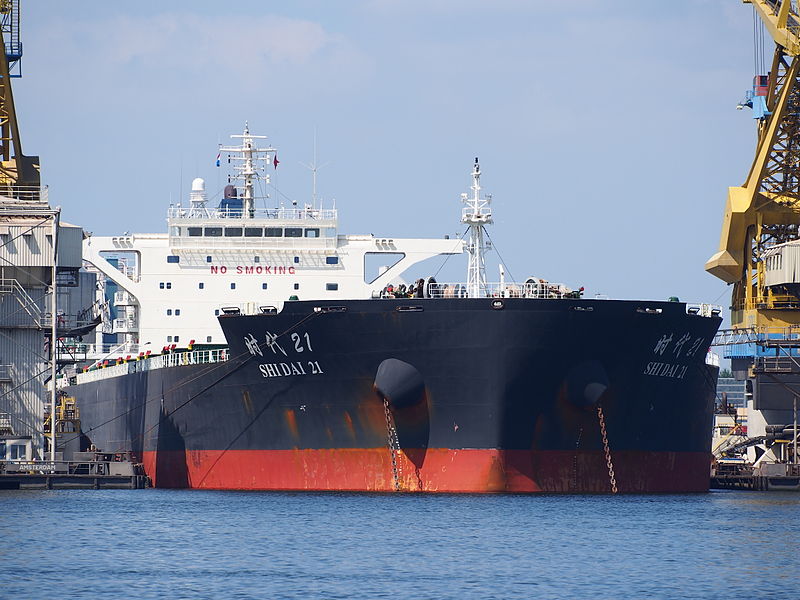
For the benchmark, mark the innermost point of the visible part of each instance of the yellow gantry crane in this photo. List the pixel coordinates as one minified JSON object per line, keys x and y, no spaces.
{"x":759,"y":252}
{"x":18,"y":173}
{"x":761,"y":227}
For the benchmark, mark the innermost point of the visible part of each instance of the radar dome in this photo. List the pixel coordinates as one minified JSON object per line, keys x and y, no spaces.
{"x":197,"y":196}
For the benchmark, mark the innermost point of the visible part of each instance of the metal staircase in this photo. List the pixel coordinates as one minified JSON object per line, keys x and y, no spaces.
{"x":11,"y":287}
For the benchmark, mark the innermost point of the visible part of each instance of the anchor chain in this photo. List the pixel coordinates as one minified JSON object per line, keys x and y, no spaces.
{"x":575,"y":461}
{"x":609,"y":464}
{"x":394,"y":445}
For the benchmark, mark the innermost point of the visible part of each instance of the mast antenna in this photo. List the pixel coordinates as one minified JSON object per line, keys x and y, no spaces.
{"x":250,"y":166}
{"x":476,"y":214}
{"x":313,"y":167}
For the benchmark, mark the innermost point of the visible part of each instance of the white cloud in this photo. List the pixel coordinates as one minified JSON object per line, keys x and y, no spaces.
{"x":230,"y":42}
{"x":234,"y":47}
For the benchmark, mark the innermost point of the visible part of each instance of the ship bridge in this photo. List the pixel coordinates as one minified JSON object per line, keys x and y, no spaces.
{"x":226,"y":228}
{"x":169,"y":288}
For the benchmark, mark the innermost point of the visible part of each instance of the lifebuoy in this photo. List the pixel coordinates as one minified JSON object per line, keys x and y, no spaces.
{"x":427,"y":288}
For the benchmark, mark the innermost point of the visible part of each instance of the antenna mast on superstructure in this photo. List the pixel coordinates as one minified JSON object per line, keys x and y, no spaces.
{"x":249,"y":168}
{"x":475,"y":215}
{"x":313,"y":167}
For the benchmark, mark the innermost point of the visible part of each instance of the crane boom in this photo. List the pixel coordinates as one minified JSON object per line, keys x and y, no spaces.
{"x":764,"y":213}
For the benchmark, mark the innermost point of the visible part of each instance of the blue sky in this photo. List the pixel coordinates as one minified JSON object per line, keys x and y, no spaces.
{"x":607,"y":132}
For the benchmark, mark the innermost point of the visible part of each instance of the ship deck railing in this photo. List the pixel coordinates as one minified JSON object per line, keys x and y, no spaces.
{"x":541,"y":289}
{"x":140,"y":364}
{"x":98,"y":352}
{"x":22,"y":197}
{"x":764,"y":336}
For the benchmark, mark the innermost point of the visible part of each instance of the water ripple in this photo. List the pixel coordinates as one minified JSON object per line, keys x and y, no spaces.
{"x":196,"y":544}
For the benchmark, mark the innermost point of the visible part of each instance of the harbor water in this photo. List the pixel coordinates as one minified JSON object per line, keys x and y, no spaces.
{"x":200,"y":544}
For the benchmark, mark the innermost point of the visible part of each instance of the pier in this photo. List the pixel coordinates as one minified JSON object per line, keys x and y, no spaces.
{"x":89,"y":470}
{"x":763,"y":478}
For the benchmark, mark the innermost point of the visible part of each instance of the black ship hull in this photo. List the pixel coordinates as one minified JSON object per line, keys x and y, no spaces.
{"x":448,"y":395}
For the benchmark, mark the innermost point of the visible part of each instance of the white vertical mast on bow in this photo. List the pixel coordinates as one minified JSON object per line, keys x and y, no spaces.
{"x":249,"y":169}
{"x":476,"y":214}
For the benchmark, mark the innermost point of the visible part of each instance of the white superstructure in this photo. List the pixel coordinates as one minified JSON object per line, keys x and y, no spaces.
{"x":173,"y":285}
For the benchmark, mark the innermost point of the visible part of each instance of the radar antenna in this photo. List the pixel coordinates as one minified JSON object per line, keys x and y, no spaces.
{"x":251,"y":166}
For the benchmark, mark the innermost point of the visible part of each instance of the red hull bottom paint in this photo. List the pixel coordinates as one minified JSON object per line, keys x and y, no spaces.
{"x":443,"y":470}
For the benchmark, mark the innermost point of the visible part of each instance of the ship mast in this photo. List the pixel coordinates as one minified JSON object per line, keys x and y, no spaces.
{"x":475,"y":215}
{"x":313,"y":167}
{"x":251,"y":167}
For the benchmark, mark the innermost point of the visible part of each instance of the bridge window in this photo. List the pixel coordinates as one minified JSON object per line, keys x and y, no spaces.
{"x":273,"y":232}
{"x":173,"y":259}
{"x":331,"y":287}
{"x":213,"y":232}
{"x":253,"y":232}
{"x":195,"y":231}
{"x":331,"y":260}
{"x":312,"y":233}
{"x":293,"y":232}
{"x":233,"y":232}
